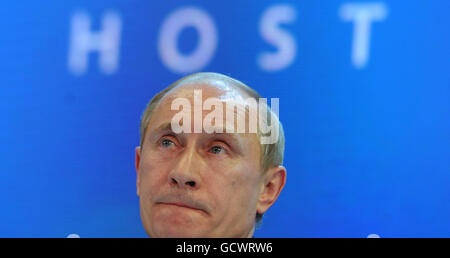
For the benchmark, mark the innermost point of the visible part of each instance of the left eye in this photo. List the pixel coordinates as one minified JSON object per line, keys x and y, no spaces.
{"x":167,"y":143}
{"x":217,"y":150}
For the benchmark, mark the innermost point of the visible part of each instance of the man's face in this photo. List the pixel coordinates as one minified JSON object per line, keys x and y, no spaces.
{"x":197,"y":184}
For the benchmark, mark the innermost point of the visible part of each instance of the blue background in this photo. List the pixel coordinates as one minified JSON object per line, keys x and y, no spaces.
{"x":368,"y":150}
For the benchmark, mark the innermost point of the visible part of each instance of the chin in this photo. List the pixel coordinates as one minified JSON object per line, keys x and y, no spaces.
{"x":178,"y":227}
{"x":177,"y":231}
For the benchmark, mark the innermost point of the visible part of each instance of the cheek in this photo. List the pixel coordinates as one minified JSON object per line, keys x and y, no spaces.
{"x":233,"y":184}
{"x":153,"y":174}
{"x":246,"y":183}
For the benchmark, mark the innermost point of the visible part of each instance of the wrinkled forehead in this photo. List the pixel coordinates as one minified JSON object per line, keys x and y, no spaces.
{"x":227,"y":95}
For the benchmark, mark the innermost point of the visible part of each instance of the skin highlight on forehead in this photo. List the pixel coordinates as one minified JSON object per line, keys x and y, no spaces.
{"x":226,"y":94}
{"x":230,"y":88}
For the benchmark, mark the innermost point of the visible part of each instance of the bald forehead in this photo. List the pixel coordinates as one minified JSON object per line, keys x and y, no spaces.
{"x":198,"y":89}
{"x":225,"y":89}
{"x":212,"y":85}
{"x":221,"y":92}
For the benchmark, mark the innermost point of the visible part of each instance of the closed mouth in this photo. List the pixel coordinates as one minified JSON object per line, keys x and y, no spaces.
{"x":182,"y":205}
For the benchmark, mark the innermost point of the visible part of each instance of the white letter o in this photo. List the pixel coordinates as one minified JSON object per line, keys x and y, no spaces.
{"x":168,"y":38}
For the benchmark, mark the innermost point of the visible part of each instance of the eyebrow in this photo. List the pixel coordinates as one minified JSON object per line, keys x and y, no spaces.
{"x":156,"y":132}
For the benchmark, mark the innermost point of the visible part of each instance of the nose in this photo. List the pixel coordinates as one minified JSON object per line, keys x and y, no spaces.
{"x":184,"y":174}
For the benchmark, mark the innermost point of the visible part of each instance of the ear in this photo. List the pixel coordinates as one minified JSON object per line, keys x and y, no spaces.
{"x":137,"y":160}
{"x":274,"y":181}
